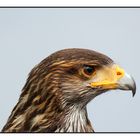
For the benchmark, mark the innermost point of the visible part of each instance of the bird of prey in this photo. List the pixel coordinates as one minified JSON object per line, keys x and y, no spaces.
{"x":58,"y":89}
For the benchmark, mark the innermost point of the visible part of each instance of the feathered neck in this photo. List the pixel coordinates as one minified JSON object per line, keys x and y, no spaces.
{"x":75,"y":120}
{"x":72,"y":119}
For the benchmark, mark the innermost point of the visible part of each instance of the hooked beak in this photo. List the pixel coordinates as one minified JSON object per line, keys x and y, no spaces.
{"x":113,"y":77}
{"x":127,"y":83}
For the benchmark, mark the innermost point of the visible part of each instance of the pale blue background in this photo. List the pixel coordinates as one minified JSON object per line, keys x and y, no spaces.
{"x":29,"y":35}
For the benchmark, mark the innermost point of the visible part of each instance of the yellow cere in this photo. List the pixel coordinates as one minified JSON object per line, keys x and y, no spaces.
{"x":107,"y":77}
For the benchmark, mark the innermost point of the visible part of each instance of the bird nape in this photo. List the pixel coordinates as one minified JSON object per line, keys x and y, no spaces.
{"x":58,"y":89}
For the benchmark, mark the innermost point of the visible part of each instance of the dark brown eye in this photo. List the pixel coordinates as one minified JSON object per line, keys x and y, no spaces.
{"x":88,"y":70}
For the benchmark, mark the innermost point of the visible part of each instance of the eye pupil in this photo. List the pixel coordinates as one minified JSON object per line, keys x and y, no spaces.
{"x":88,"y":70}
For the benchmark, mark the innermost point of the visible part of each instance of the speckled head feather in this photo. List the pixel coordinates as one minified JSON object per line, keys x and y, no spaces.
{"x":55,"y":95}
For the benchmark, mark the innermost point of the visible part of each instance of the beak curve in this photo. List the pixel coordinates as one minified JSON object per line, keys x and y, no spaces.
{"x":113,"y":77}
{"x":127,"y":83}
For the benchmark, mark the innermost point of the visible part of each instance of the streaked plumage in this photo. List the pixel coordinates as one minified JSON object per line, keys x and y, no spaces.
{"x":58,"y":89}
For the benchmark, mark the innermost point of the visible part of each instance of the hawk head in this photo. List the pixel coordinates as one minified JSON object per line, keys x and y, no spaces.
{"x":58,"y":89}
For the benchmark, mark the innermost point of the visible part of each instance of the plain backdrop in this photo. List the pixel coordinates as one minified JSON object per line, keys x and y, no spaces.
{"x":28,"y":35}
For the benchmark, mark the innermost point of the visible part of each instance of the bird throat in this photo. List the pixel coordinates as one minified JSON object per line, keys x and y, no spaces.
{"x":76,"y":121}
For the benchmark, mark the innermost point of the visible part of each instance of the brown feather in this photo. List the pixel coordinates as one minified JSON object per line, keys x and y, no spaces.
{"x":50,"y":97}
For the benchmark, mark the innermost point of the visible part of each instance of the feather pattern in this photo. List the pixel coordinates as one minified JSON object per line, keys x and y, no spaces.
{"x":54,"y":97}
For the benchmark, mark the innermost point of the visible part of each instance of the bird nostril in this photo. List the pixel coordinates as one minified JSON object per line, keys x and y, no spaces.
{"x":119,"y":73}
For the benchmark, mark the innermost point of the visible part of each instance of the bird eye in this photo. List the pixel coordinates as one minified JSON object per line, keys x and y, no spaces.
{"x":88,"y":70}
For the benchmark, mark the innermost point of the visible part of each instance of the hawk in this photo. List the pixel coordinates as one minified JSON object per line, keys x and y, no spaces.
{"x":58,"y":89}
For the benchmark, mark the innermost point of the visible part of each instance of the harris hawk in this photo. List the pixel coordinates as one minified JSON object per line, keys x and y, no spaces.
{"x":58,"y":89}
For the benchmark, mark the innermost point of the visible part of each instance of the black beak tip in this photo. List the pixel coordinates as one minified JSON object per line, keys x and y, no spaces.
{"x":134,"y":89}
{"x":133,"y":92}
